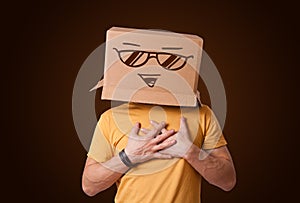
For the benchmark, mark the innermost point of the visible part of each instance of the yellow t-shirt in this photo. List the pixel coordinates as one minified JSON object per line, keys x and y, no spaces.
{"x":160,"y":180}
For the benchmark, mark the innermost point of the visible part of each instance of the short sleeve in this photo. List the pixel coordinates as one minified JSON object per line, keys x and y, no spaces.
{"x":213,"y":137}
{"x":100,"y":149}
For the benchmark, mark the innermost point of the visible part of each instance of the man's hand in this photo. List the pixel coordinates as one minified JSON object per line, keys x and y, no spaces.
{"x":183,"y":140}
{"x":140,"y":149}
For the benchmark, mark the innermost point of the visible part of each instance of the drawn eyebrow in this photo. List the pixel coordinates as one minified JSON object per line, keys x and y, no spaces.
{"x":171,"y":48}
{"x":132,"y":44}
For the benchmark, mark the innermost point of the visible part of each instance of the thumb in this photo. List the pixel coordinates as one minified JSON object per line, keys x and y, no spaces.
{"x":135,"y":129}
{"x":183,"y":125}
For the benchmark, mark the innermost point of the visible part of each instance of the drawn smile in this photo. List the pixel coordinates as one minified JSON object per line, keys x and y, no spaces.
{"x":149,"y":79}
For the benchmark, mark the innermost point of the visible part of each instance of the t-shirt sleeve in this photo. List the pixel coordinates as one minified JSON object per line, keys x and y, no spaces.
{"x":214,"y":137}
{"x":100,"y":149}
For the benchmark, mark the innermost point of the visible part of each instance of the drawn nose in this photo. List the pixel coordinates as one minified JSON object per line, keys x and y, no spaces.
{"x":149,"y":79}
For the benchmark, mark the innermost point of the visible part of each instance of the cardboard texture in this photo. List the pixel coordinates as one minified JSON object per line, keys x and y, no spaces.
{"x":151,"y":66}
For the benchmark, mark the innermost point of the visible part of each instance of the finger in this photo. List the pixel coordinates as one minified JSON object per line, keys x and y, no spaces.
{"x":164,"y":130}
{"x":161,"y":126}
{"x":157,"y":129}
{"x":170,"y":139}
{"x":163,"y":136}
{"x":156,"y":125}
{"x":158,"y":155}
{"x":164,"y":145}
{"x":144,"y":130}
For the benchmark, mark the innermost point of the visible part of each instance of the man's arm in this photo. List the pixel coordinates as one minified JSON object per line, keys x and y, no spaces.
{"x":100,"y":176}
{"x":215,"y":166}
{"x":96,"y":177}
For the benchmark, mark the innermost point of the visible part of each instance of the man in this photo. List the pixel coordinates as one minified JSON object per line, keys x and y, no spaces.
{"x":163,"y":161}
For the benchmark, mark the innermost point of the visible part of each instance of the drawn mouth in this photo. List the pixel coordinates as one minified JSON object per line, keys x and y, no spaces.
{"x":149,"y":79}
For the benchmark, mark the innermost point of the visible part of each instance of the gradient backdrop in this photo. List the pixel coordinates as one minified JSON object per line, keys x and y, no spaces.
{"x":253,"y":45}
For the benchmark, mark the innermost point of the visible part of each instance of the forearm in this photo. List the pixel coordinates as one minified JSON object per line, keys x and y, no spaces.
{"x":218,"y":171}
{"x":100,"y":176}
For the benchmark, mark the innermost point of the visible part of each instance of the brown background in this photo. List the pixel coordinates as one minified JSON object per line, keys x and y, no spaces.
{"x":251,"y":43}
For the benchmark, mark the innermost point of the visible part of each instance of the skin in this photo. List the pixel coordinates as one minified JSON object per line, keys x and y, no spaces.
{"x":215,"y":166}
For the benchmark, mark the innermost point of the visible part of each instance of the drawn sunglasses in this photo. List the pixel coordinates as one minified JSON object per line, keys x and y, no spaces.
{"x":137,"y":58}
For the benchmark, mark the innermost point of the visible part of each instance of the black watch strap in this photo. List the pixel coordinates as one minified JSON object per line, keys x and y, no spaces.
{"x":124,"y":158}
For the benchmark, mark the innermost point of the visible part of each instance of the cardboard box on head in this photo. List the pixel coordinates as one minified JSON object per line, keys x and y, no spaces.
{"x":151,"y":66}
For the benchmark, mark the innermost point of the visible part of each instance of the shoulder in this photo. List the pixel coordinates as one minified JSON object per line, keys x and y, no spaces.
{"x":205,"y":110}
{"x":113,"y":116}
{"x":117,"y":109}
{"x":207,"y":115}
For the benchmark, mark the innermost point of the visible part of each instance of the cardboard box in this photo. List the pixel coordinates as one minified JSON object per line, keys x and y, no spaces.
{"x":151,"y":66}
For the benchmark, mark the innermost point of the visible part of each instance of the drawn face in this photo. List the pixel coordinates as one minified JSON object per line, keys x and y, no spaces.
{"x":151,"y":67}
